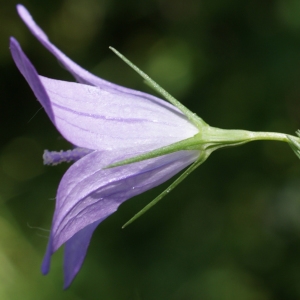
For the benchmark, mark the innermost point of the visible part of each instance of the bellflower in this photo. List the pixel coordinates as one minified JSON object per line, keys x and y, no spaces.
{"x":126,"y":142}
{"x":107,"y":123}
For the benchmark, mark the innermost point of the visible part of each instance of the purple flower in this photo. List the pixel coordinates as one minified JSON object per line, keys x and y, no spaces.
{"x":107,"y":123}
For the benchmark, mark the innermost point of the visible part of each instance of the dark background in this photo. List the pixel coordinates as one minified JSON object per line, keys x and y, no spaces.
{"x":229,"y":231}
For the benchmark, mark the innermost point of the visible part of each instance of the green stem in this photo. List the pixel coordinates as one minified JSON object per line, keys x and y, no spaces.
{"x":216,"y":136}
{"x":271,"y":136}
{"x":213,"y":138}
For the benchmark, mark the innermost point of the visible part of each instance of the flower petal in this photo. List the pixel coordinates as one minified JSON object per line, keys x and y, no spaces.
{"x":31,"y":75}
{"x":81,"y":75}
{"x":75,"y":251}
{"x":94,"y":118}
{"x":87,"y":193}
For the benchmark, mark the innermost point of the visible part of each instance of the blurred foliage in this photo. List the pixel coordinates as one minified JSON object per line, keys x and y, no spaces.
{"x":232,"y":229}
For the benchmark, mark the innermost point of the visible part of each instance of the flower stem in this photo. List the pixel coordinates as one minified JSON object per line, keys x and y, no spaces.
{"x":271,"y":136}
{"x":215,"y":138}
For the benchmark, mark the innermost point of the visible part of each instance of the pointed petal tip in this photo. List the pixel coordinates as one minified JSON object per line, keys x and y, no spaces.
{"x":68,"y":281}
{"x":28,"y":20}
{"x":20,"y":8}
{"x":45,"y":268}
{"x":30,"y":74}
{"x":15,"y":49}
{"x":23,"y":12}
{"x":69,"y":278}
{"x":12,"y":42}
{"x":75,"y":252}
{"x":66,"y":285}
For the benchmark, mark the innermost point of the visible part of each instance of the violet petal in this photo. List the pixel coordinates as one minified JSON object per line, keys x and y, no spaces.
{"x":94,"y":118}
{"x":81,"y":75}
{"x":75,"y":251}
{"x":87,"y":193}
{"x":31,"y":75}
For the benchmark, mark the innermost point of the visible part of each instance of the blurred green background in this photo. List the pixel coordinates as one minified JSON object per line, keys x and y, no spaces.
{"x":232,"y":229}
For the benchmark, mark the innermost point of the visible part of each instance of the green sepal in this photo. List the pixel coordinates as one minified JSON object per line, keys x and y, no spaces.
{"x":193,"y":143}
{"x":189,"y":170}
{"x":197,"y":121}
